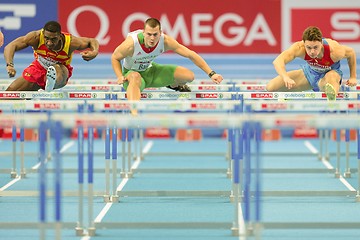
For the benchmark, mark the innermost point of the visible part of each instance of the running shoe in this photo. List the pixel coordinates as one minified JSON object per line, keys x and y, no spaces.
{"x":50,"y":79}
{"x":330,"y":92}
{"x":183,"y":88}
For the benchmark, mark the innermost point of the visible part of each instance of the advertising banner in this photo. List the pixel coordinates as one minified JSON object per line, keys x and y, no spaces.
{"x":339,"y":20}
{"x":231,"y":26}
{"x":18,"y":17}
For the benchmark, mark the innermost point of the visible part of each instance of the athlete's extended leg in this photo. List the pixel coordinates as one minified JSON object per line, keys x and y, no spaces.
{"x":181,"y":77}
{"x":20,"y":84}
{"x":330,"y":84}
{"x":133,"y":90}
{"x":56,"y":77}
{"x":301,"y":83}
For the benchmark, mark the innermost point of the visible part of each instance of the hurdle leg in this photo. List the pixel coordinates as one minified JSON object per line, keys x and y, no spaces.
{"x":79,"y":230}
{"x":326,"y":143}
{"x":13,"y":173}
{"x":42,"y":181}
{"x":358,"y":157}
{"x":231,"y":166}
{"x":91,"y":228}
{"x":123,"y":153}
{"x":141,"y":143}
{"x":228,"y":155}
{"x":114,"y":196}
{"x":22,"y":165}
{"x":258,"y":225}
{"x":337,"y":171}
{"x":247,"y":179}
{"x":136,"y":143}
{"x":347,"y":173}
{"x":236,"y":155}
{"x":48,"y":139}
{"x":57,"y":160}
{"x":129,"y":140}
{"x":321,"y":142}
{"x":107,"y":165}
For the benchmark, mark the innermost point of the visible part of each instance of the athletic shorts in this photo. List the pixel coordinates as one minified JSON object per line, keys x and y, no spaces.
{"x":156,"y":76}
{"x":313,"y":77}
{"x":36,"y":73}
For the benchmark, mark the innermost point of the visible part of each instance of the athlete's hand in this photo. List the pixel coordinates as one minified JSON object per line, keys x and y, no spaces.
{"x":351,"y":82}
{"x":88,"y":55}
{"x":289,"y":83}
{"x":121,"y":80}
{"x":1,"y":38}
{"x":216,"y":78}
{"x":11,"y":71}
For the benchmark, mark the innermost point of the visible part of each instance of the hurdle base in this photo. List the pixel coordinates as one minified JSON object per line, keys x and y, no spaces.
{"x":337,"y":175}
{"x":235,"y":231}
{"x":249,"y":229}
{"x":91,"y":231}
{"x":114,"y":198}
{"x":357,"y":198}
{"x":107,"y":198}
{"x":13,"y":174}
{"x":347,"y":174}
{"x":130,"y":174}
{"x":23,"y":175}
{"x":229,"y":173}
{"x":79,"y":231}
{"x":123,"y":174}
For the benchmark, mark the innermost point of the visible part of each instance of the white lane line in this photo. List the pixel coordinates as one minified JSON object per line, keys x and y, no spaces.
{"x":67,"y":146}
{"x":347,"y":184}
{"x":242,"y":229}
{"x":63,"y":149}
{"x":311,"y":147}
{"x":36,"y":166}
{"x":102,"y":213}
{"x":10,"y":183}
{"x":148,"y":146}
{"x":121,"y":186}
{"x":328,"y":165}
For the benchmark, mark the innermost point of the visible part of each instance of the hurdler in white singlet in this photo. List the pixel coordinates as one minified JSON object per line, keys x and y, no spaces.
{"x":141,"y":59}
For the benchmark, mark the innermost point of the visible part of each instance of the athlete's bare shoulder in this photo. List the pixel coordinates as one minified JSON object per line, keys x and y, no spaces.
{"x":127,"y":46}
{"x":337,"y":51}
{"x":297,"y":49}
{"x":33,"y":37}
{"x":125,"y":49}
{"x":170,"y":43}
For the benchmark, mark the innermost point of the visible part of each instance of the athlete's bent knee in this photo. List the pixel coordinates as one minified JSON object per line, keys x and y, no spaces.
{"x":134,"y":78}
{"x":269,"y":88}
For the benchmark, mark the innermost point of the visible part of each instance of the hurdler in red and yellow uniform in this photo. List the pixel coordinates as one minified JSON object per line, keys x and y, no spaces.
{"x":53,"y":51}
{"x":44,"y":58}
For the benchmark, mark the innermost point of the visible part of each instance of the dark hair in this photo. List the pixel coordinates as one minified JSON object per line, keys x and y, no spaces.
{"x":312,"y":33}
{"x":152,"y":22}
{"x":52,"y":26}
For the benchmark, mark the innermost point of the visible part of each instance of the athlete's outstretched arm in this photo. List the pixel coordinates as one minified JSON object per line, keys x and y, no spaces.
{"x":284,"y":58}
{"x":1,"y":38}
{"x":30,"y":39}
{"x":351,"y":59}
{"x":172,"y":44}
{"x":90,"y":45}
{"x":122,"y":51}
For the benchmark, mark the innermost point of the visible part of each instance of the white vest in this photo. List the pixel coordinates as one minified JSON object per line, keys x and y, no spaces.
{"x":140,"y":60}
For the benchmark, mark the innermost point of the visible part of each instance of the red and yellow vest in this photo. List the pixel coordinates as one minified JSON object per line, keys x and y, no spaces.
{"x":48,"y":58}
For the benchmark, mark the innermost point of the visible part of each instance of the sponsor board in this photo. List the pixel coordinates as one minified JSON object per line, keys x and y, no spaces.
{"x":235,"y":27}
{"x":339,"y":20}
{"x":18,"y":17}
